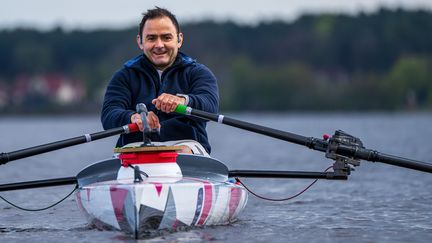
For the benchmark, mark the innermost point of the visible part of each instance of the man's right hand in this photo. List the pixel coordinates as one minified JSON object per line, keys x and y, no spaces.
{"x":152,"y":120}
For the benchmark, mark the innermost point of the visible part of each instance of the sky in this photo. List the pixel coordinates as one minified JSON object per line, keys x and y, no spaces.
{"x":114,"y":14}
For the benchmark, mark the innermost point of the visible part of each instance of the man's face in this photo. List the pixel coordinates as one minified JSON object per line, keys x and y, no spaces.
{"x":159,"y":42}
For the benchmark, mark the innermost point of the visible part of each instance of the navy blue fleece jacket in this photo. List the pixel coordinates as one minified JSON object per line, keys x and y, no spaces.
{"x":138,"y":82}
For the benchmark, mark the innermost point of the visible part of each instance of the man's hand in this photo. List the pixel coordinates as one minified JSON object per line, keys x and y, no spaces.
{"x":152,"y":120}
{"x":167,"y":102}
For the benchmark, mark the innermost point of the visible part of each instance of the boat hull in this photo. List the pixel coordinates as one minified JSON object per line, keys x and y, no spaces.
{"x":157,"y":203}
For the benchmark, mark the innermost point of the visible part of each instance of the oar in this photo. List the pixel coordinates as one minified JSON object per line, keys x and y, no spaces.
{"x":40,"y":149}
{"x":336,"y":146}
{"x":104,"y":170}
{"x":38,"y":184}
{"x":192,"y":166}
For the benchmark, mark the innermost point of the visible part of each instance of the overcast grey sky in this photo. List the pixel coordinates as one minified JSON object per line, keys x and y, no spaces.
{"x":90,"y":14}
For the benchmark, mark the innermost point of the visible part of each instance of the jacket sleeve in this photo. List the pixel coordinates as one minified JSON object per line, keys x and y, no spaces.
{"x":116,"y":109}
{"x":204,"y":93}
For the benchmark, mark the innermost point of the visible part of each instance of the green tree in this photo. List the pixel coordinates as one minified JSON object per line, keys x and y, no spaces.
{"x":410,"y":82}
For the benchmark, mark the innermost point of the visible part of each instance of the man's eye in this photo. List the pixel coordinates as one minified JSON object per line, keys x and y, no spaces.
{"x":167,"y":38}
{"x":151,"y":38}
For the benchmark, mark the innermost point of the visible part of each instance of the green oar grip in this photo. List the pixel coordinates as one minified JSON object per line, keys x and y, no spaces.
{"x":181,"y":109}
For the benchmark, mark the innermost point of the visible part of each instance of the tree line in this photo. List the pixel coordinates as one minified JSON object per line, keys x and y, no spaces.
{"x":377,"y":61}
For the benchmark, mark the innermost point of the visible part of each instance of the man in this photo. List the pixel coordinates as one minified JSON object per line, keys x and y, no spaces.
{"x":161,"y":78}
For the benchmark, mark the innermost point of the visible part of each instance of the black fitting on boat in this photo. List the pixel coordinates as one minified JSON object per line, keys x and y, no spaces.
{"x":142,"y":110}
{"x":137,"y":174}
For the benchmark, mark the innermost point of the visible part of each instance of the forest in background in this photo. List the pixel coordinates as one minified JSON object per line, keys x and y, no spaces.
{"x":377,"y":61}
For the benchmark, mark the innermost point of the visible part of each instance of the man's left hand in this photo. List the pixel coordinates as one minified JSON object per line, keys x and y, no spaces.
{"x":168,"y":102}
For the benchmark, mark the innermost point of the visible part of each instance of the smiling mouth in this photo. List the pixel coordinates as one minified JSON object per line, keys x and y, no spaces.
{"x":159,"y":53}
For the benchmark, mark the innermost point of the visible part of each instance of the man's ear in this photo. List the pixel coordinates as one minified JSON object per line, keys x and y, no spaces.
{"x":139,"y":42}
{"x":179,"y":40}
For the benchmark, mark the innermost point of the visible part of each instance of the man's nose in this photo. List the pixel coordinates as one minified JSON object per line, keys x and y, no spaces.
{"x":159,"y":43}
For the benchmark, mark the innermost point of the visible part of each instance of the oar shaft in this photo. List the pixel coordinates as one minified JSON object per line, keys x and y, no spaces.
{"x":40,"y":149}
{"x":286,"y":174}
{"x":403,"y":162}
{"x":310,"y":142}
{"x":375,"y":156}
{"x":38,"y":184}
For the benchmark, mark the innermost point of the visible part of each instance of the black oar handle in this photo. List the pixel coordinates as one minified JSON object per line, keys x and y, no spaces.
{"x":317,"y":144}
{"x":27,"y":152}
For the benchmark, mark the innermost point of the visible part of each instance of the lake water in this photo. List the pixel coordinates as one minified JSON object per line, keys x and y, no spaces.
{"x":378,"y":203}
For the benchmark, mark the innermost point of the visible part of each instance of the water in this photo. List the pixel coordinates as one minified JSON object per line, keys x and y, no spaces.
{"x":379,"y":202}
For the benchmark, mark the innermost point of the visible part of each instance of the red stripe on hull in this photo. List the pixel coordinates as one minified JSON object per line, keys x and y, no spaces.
{"x":234,"y":200}
{"x":118,"y":197}
{"x":176,"y":222}
{"x":158,"y":187}
{"x":80,"y":205}
{"x":88,"y":194}
{"x":208,"y":199}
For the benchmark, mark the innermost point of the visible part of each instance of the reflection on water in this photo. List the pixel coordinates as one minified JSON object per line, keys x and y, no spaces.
{"x":378,"y":203}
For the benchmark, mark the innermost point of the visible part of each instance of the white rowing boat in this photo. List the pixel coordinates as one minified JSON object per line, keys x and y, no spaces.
{"x":172,"y":196}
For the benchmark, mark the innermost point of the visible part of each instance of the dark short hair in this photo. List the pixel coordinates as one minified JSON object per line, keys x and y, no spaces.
{"x":157,"y":13}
